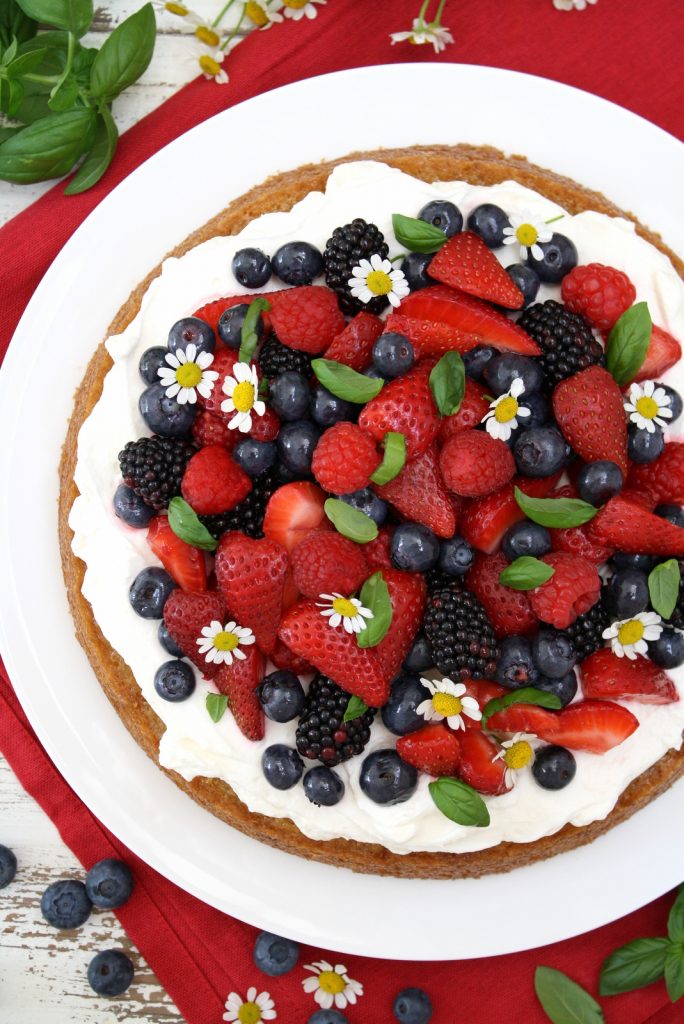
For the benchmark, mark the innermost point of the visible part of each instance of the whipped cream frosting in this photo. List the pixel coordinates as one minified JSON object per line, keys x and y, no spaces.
{"x":192,"y":744}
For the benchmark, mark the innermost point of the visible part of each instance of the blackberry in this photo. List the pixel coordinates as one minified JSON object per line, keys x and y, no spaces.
{"x":276,"y":358}
{"x":460,"y":635}
{"x":436,"y":579}
{"x":586,"y":631}
{"x":322,"y":735}
{"x":248,"y":516}
{"x":343,"y":251}
{"x":566,"y":339}
{"x":154,"y":467}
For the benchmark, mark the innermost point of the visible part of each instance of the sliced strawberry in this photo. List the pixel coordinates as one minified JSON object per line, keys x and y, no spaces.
{"x":525,"y":718}
{"x":185,"y":615}
{"x":183,"y":562}
{"x":594,"y":725}
{"x":418,"y":492}
{"x":239,"y":682}
{"x":509,"y":610}
{"x":434,"y":749}
{"x":483,"y":690}
{"x":607,"y":677}
{"x":407,"y":597}
{"x":478,"y":766}
{"x":485,"y":520}
{"x":211,"y":313}
{"x":626,"y":526}
{"x":464,"y":262}
{"x":293,"y":511}
{"x":473,"y":408}
{"x":663,"y":352}
{"x":405,"y":405}
{"x":590,"y":412}
{"x":353,"y":346}
{"x":663,"y":479}
{"x":251,"y":577}
{"x":431,"y":337}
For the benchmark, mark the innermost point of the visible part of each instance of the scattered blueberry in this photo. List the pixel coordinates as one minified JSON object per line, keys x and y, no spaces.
{"x":415,"y":269}
{"x":367,"y":501}
{"x":386,"y":779}
{"x":164,"y":415}
{"x":289,"y":396}
{"x":297,"y":263}
{"x":598,"y":481}
{"x":564,"y":688}
{"x":503,"y":369}
{"x":642,"y":445}
{"x":526,"y":538}
{"x":673,"y":513}
{"x":130,"y":507}
{"x":167,"y":641}
{"x":281,"y":695}
{"x":150,"y":362}
{"x":110,"y":972}
{"x":554,"y":653}
{"x":327,"y":409}
{"x":414,"y":548}
{"x":526,"y":279}
{"x":622,"y":560}
{"x":191,"y":331}
{"x":399,"y":713}
{"x":553,"y":767}
{"x":149,"y":591}
{"x":443,"y":215}
{"x":323,"y":787}
{"x":419,"y":657}
{"x":412,"y":1006}
{"x":540,"y":451}
{"x":626,"y":593}
{"x":251,"y":267}
{"x":174,"y":681}
{"x":282,"y":766}
{"x":282,"y":474}
{"x":488,"y":221}
{"x":667,"y":651}
{"x":230,"y":325}
{"x":8,"y":865}
{"x":255,"y":457}
{"x":393,"y":354}
{"x":274,"y":954}
{"x":65,"y":904}
{"x":675,"y":401}
{"x":109,"y":883}
{"x":515,"y":667}
{"x":455,"y":556}
{"x":559,"y":257}
{"x":296,"y":444}
{"x":540,"y":411}
{"x":477,"y":360}
{"x":327,"y":1017}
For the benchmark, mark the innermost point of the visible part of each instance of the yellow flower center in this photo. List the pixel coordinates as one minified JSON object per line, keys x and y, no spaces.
{"x":647,"y":408}
{"x":188,"y":375}
{"x":256,"y":14}
{"x":296,"y":5}
{"x":243,"y":396}
{"x":343,"y":606}
{"x":506,"y":410}
{"x":519,"y":755}
{"x":446,"y":704}
{"x":379,"y":282}
{"x":630,"y":632}
{"x":249,"y":1013}
{"x":207,"y":35}
{"x":180,"y":9}
{"x":225,"y":641}
{"x":209,"y":65}
{"x":526,"y":234}
{"x":331,"y":982}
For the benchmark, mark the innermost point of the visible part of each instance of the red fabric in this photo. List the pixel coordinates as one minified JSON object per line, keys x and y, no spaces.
{"x":199,"y":954}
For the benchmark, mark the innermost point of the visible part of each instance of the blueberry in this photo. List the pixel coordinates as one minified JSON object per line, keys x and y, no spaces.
{"x":289,"y":396}
{"x":622,"y":560}
{"x":174,"y":681}
{"x":540,"y":451}
{"x":373,"y":373}
{"x":110,"y":972}
{"x":297,"y":263}
{"x":255,"y":457}
{"x":488,"y":221}
{"x":642,"y":445}
{"x":393,"y":354}
{"x":327,"y":1017}
{"x":191,"y":331}
{"x":415,"y":269}
{"x":414,"y":548}
{"x":386,"y":779}
{"x":274,"y":954}
{"x":673,"y":513}
{"x":149,"y":591}
{"x":526,"y":538}
{"x":599,"y":481}
{"x":282,"y":766}
{"x":626,"y":593}
{"x":164,"y":415}
{"x":130,"y":507}
{"x":327,"y":409}
{"x":399,"y":713}
{"x":8,"y":865}
{"x":367,"y":501}
{"x":297,"y":444}
{"x":230,"y":325}
{"x":65,"y":904}
{"x":150,"y":362}
{"x":675,"y":401}
{"x":281,"y":695}
{"x":167,"y":641}
{"x":443,"y":215}
{"x":109,"y":883}
{"x":455,"y":556}
{"x":540,"y":411}
{"x":323,"y":787}
{"x":515,"y":667}
{"x":559,"y":257}
{"x":667,"y":651}
{"x":251,"y":267}
{"x":477,"y":360}
{"x":564,"y":688}
{"x":553,"y":653}
{"x":526,"y":279}
{"x":412,"y":1006}
{"x":419,"y":658}
{"x":503,"y":369}
{"x":282,"y":474}
{"x":553,"y":767}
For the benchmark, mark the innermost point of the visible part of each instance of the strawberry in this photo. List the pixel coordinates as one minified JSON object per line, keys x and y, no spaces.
{"x":485,"y":520}
{"x":431,"y":337}
{"x":404,"y":405}
{"x":473,"y":408}
{"x":325,"y":562}
{"x":283,"y":657}
{"x":590,"y":413}
{"x":605,"y":676}
{"x":335,"y":653}
{"x":239,"y":682}
{"x":208,"y":429}
{"x":344,"y":459}
{"x":575,"y":539}
{"x":525,"y":718}
{"x":264,"y":428}
{"x":353,"y":345}
{"x":307,"y":318}
{"x":598,"y":293}
{"x":407,"y":593}
{"x":474,"y":463}
{"x":572,"y":590}
{"x":663,"y":352}
{"x":211,"y":313}
{"x":469,"y":316}
{"x":418,"y":492}
{"x":593,"y":725}
{"x":433,"y":749}
{"x":213,"y":482}
{"x":483,"y":690}
{"x":465,"y":263}
{"x":626,"y":526}
{"x":508,"y":610}
{"x":377,"y":551}
{"x":478,"y":766}
{"x":185,"y":615}
{"x":663,"y":479}
{"x":251,"y":576}
{"x":224,"y":361}
{"x":183,"y":562}
{"x":293,"y":511}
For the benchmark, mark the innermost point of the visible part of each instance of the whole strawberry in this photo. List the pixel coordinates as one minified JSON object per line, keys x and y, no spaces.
{"x":185,"y":615}
{"x":590,"y":412}
{"x":325,"y":562}
{"x":418,"y":492}
{"x":407,"y":593}
{"x":406,"y":406}
{"x":307,"y":318}
{"x":251,"y":576}
{"x":344,"y":459}
{"x":601,"y":294}
{"x":473,"y":464}
{"x":213,"y":482}
{"x":239,"y":683}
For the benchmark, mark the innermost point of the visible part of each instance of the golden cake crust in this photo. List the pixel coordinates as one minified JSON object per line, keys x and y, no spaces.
{"x":478,"y":165}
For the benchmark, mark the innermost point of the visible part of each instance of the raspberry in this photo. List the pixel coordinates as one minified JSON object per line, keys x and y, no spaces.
{"x":473,"y":463}
{"x":509,"y":610}
{"x":211,"y":429}
{"x":344,"y":459}
{"x":326,"y":562}
{"x":248,"y":515}
{"x":224,"y":361}
{"x":572,"y":590}
{"x":662,"y":479}
{"x":264,"y":428}
{"x":307,"y":318}
{"x":213,"y":482}
{"x":377,"y":551}
{"x":601,"y":294}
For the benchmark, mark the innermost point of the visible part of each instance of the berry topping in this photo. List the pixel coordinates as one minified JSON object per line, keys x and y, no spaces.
{"x":164,"y":415}
{"x":276,"y":358}
{"x":344,"y":250}
{"x":414,"y":548}
{"x":183,"y":563}
{"x":213,"y":482}
{"x":251,"y":268}
{"x":281,"y":695}
{"x":296,"y":446}
{"x":474,"y":464}
{"x":345,"y":459}
{"x":251,"y":577}
{"x":607,"y":677}
{"x":571,"y":591}
{"x":626,"y":526}
{"x":566,"y":340}
{"x":150,"y":591}
{"x":663,"y":352}
{"x":297,"y":263}
{"x":294,"y":511}
{"x":443,"y":215}
{"x":474,"y":408}
{"x":322,"y":733}
{"x":663,"y":479}
{"x":186,"y":615}
{"x":191,"y":331}
{"x":419,"y":492}
{"x":554,"y":767}
{"x":239,"y":682}
{"x":325,"y":562}
{"x":407,"y":598}
{"x":131,"y":508}
{"x":400,"y":714}
{"x":488,"y":221}
{"x":557,"y":258}
{"x":354,"y":345}
{"x":589,"y":410}
{"x":480,"y":767}
{"x":466,"y":263}
{"x":460,"y":635}
{"x":509,"y":610}
{"x":248,"y":515}
{"x":230,"y":323}
{"x":405,"y":406}
{"x":386,"y":779}
{"x":599,"y":481}
{"x":174,"y":681}
{"x":433,"y":749}
{"x":393,"y":354}
{"x":154,"y":466}
{"x":323,"y":787}
{"x":307,"y":319}
{"x":601,"y":294}
{"x":526,"y":279}
{"x":282,"y":766}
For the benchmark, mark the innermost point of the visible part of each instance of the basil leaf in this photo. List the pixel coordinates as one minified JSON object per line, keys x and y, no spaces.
{"x":342,"y":381}
{"x":73,"y":15}
{"x":7,"y":133}
{"x":417,"y":235}
{"x":10,"y":53}
{"x":375,"y":596}
{"x":393,"y":459}
{"x":350,"y":522}
{"x":459,"y":802}
{"x":526,"y":695}
{"x":100,"y":156}
{"x":675,"y":921}
{"x":526,"y":573}
{"x":14,"y":24}
{"x":674,"y":971}
{"x":48,"y":148}
{"x":216,"y":704}
{"x":124,"y":55}
{"x":628,"y":343}
{"x":563,"y":1000}
{"x":632,"y":966}
{"x":11,"y":96}
{"x":447,"y":383}
{"x":25,"y":62}
{"x":663,"y":587}
{"x":355,"y":708}
{"x":186,"y":524}
{"x":555,"y":512}
{"x":64,"y":94}
{"x":249,"y":339}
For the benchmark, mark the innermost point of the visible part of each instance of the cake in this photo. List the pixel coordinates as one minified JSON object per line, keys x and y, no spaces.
{"x":458,"y":797}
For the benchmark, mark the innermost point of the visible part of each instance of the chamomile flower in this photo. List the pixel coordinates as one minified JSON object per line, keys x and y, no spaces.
{"x":628,"y":637}
{"x":257,"y":1007}
{"x":331,"y":986}
{"x":572,"y":5}
{"x":179,"y":9}
{"x":345,"y":611}
{"x":220,"y":644}
{"x":188,"y":375}
{"x":504,"y":412}
{"x":517,"y":753}
{"x":448,"y":700}
{"x":527,"y":230}
{"x":260,"y":14}
{"x":423,"y":32}
{"x":648,"y":406}
{"x":298,"y":9}
{"x":375,"y":277}
{"x":211,"y":66}
{"x":243,"y":397}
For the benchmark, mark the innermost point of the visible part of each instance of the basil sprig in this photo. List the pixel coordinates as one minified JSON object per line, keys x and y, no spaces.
{"x":343,"y":382}
{"x":555,"y":512}
{"x":350,"y":522}
{"x":355,"y":708}
{"x":375,"y":597}
{"x":563,"y":1000}
{"x":459,"y":802}
{"x":393,"y":460}
{"x":417,"y":235}
{"x":71,"y":15}
{"x":526,"y":573}
{"x":216,"y":704}
{"x":663,"y":587}
{"x":447,"y":383}
{"x":249,"y":339}
{"x":525,"y":695}
{"x":15,"y":24}
{"x":186,"y":524}
{"x":628,"y":343}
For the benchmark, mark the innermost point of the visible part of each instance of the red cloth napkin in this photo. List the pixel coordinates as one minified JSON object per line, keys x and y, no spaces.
{"x":199,"y":954}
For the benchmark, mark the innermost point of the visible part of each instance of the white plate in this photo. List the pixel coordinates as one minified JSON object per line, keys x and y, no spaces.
{"x":157,"y":206}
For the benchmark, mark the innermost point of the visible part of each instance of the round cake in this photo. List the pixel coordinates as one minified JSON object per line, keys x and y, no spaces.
{"x":479,"y":648}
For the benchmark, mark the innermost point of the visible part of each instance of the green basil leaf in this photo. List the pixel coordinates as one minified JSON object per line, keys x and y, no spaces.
{"x":417,"y":235}
{"x":216,"y":704}
{"x":526,"y":573}
{"x":355,"y":708}
{"x":73,"y":15}
{"x":26,"y":62}
{"x":11,"y":96}
{"x":342,"y":381}
{"x":632,"y":966}
{"x":48,"y":148}
{"x":10,"y":53}
{"x":555,"y":512}
{"x":675,"y":921}
{"x":459,"y":802}
{"x":100,"y":156}
{"x":33,"y":107}
{"x":628,"y":343}
{"x":375,"y":596}
{"x":674,"y":971}
{"x":526,"y":695}
{"x":186,"y":524}
{"x":350,"y":522}
{"x":124,"y":55}
{"x":65,"y":94}
{"x":249,"y":339}
{"x":663,"y":587}
{"x":447,"y":383}
{"x":7,"y":133}
{"x":14,"y":24}
{"x":393,"y":459}
{"x":563,"y":1000}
